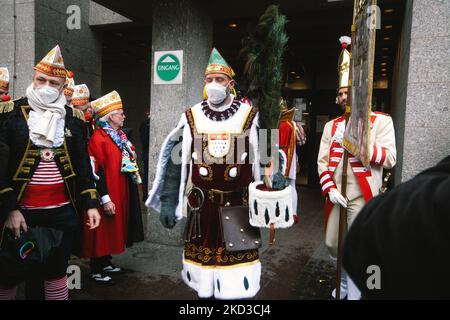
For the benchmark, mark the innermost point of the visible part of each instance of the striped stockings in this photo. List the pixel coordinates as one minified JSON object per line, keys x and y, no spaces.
{"x":7,"y":293}
{"x":56,"y":289}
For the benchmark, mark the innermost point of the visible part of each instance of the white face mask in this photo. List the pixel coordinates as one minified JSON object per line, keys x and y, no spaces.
{"x":48,"y":94}
{"x":216,"y":93}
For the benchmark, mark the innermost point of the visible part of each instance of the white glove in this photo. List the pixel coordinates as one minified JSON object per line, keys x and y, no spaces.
{"x":337,"y":198}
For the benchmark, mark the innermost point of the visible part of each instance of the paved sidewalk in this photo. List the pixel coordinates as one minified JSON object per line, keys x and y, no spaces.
{"x":296,"y":267}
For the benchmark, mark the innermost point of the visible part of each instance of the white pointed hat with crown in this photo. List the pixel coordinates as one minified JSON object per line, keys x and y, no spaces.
{"x":4,"y":78}
{"x":52,"y":64}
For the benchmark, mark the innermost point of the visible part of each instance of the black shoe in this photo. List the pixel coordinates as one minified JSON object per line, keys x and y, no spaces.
{"x":102,"y":279}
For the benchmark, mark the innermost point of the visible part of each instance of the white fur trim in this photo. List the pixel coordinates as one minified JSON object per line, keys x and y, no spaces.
{"x":293,"y":170}
{"x":185,"y":165}
{"x":267,"y":200}
{"x":200,"y":279}
{"x":294,"y":196}
{"x":153,"y":201}
{"x":254,"y":154}
{"x":283,"y":168}
{"x":204,"y":280}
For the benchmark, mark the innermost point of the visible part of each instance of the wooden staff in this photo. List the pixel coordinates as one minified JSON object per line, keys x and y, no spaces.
{"x":343,"y":211}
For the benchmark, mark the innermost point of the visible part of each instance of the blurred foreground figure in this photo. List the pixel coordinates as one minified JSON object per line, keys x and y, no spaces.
{"x":404,"y":232}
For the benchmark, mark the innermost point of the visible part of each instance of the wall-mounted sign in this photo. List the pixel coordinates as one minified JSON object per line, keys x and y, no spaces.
{"x":168,"y":67}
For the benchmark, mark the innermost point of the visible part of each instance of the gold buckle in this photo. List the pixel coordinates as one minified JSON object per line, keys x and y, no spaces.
{"x":213,"y":191}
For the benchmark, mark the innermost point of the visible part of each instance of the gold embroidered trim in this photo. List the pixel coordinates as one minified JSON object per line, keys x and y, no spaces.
{"x":224,"y":257}
{"x":251,"y":115}
{"x":51,"y":70}
{"x":6,"y":190}
{"x":92,"y":193}
{"x":22,"y":189}
{"x":201,"y":253}
{"x":70,"y":162}
{"x":6,"y":106}
{"x":19,"y":169}
{"x":205,"y":254}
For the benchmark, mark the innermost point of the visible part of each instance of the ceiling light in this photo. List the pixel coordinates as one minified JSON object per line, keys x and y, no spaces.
{"x":387,"y":38}
{"x":232,"y":25}
{"x":388,"y":10}
{"x":389,"y":26}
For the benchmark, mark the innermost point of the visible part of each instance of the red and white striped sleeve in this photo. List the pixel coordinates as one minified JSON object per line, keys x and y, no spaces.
{"x":326,"y":182}
{"x":383,"y":151}
{"x":323,"y":160}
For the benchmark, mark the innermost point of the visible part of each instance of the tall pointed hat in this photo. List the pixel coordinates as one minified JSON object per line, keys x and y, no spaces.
{"x":344,"y":62}
{"x":69,"y":85}
{"x":52,"y":64}
{"x":217,"y":64}
{"x":80,"y":95}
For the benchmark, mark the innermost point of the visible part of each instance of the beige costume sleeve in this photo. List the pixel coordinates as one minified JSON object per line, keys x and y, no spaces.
{"x":383,"y":151}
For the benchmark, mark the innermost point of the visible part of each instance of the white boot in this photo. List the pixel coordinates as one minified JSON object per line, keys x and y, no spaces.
{"x":353,"y":291}
{"x":344,"y":287}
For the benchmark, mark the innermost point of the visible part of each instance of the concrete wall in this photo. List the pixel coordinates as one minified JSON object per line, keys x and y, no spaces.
{"x":424,"y":124}
{"x":400,"y":88}
{"x":99,"y":15}
{"x":40,"y":25}
{"x":177,"y":25}
{"x":132,"y":81}
{"x":17,"y":37}
{"x":81,"y":48}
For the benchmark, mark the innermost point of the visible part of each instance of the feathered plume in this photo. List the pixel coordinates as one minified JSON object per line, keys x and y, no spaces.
{"x":263,"y":52}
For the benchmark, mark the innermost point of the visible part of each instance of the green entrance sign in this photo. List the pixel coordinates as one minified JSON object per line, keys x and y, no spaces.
{"x":168,"y":67}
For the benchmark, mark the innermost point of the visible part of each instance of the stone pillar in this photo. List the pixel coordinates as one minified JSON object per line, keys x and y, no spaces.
{"x":30,"y":28}
{"x":177,"y":25}
{"x":17,"y":48}
{"x":422,"y":96}
{"x":81,"y":48}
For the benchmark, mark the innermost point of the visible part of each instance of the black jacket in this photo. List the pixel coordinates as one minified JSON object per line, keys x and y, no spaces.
{"x":406,"y":233}
{"x":19,"y":159}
